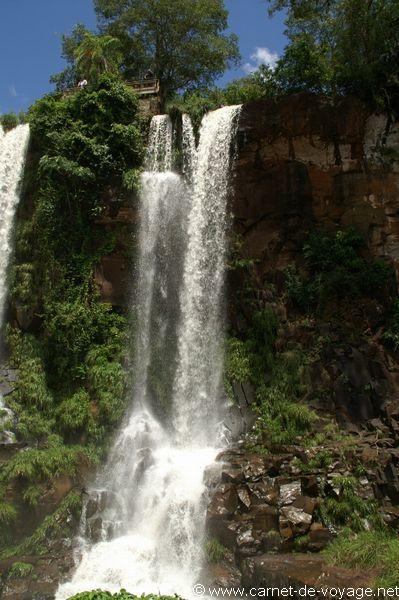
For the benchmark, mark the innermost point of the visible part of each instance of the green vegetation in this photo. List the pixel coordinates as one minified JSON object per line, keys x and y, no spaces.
{"x":341,"y":47}
{"x":246,"y":89}
{"x":184,"y":44}
{"x":214,"y":551}
{"x":278,"y":379}
{"x":349,"y":509}
{"x":9,"y":120}
{"x":368,"y":550}
{"x":336,"y":268}
{"x":322,"y":461}
{"x":54,"y":526}
{"x":71,"y":386}
{"x":97,"y":54}
{"x":336,"y":48}
{"x":19,"y":570}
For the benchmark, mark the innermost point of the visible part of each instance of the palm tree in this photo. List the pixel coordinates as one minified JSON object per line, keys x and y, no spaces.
{"x":98,"y":54}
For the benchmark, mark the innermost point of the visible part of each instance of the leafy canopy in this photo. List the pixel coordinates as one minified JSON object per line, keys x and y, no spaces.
{"x":97,"y":54}
{"x":342,"y":47}
{"x":183,"y":42}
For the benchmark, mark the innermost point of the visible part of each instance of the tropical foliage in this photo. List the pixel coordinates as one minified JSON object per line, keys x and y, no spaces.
{"x":72,"y":385}
{"x":97,"y":54}
{"x":341,"y":47}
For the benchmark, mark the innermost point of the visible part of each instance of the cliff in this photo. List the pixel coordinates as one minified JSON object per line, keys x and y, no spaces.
{"x":303,"y":163}
{"x":302,"y":166}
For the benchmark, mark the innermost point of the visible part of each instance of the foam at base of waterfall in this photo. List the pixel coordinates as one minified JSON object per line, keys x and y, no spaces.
{"x":149,"y":558}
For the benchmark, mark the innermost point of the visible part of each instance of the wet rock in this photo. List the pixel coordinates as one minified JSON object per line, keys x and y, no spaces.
{"x":212,"y":476}
{"x":298,"y":570}
{"x":265,"y":518}
{"x":319,"y":537}
{"x":224,"y":502}
{"x":289,"y":492}
{"x":263,"y":491}
{"x":232,"y":475}
{"x":244,"y":496}
{"x":306,"y":504}
{"x":254,"y":467}
{"x":224,"y":574}
{"x":248,"y":541}
{"x":298,"y":520}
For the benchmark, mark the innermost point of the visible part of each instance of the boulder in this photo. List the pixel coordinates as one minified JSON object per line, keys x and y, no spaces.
{"x":300,"y":570}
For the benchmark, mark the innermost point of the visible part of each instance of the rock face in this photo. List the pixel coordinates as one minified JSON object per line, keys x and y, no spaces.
{"x":301,"y":573}
{"x":271,"y":511}
{"x":303,"y":163}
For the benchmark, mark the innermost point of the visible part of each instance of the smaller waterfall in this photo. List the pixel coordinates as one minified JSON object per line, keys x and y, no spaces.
{"x":13,"y":147}
{"x":189,"y":149}
{"x":160,"y":141}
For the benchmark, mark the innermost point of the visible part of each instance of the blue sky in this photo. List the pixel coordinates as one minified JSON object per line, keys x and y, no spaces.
{"x":30,"y":42}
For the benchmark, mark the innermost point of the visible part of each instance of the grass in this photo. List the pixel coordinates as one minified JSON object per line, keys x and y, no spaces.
{"x":368,"y":550}
{"x":214,"y":551}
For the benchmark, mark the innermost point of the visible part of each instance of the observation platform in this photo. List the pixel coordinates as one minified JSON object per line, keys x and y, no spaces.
{"x":144,"y":87}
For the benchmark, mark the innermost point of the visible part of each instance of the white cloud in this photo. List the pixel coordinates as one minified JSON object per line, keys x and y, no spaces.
{"x":12,"y":91}
{"x":261,"y":56}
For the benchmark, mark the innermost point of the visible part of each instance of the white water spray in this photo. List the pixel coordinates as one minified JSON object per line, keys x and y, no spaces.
{"x":149,"y":498}
{"x":13,"y":147}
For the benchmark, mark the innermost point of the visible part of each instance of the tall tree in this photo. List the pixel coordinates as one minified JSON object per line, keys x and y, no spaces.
{"x":97,"y":54}
{"x":67,"y":78}
{"x":352,"y":46}
{"x":183,"y":42}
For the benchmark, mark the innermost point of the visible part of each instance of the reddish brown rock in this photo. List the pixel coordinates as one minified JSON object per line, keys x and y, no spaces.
{"x":300,"y":570}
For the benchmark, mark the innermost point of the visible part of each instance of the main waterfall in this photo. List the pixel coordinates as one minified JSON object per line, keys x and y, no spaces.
{"x":149,"y":499}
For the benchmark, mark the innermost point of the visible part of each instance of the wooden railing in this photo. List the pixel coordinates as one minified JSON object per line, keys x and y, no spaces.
{"x":144,"y":87}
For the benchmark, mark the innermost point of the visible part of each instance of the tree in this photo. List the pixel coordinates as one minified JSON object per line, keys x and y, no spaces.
{"x":183,"y":42}
{"x":98,"y":54}
{"x":350,"y":47}
{"x":67,"y":78}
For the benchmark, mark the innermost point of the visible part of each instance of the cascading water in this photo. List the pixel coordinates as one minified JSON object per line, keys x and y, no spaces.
{"x":189,"y":149}
{"x":150,"y":493}
{"x":13,"y":147}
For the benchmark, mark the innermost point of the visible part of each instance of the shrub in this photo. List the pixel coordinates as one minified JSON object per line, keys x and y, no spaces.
{"x":282,"y":417}
{"x":54,"y":526}
{"x":9,"y":121}
{"x":74,"y":412}
{"x":349,"y":508}
{"x":336,"y":269}
{"x":19,"y":570}
{"x":214,"y":551}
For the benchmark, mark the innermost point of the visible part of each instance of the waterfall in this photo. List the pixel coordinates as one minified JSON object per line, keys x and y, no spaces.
{"x":189,"y":149}
{"x":159,"y":155}
{"x":143,"y":526}
{"x":197,"y":385}
{"x":13,"y":147}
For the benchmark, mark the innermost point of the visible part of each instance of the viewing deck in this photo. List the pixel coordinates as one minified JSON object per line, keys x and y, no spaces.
{"x":144,"y":87}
